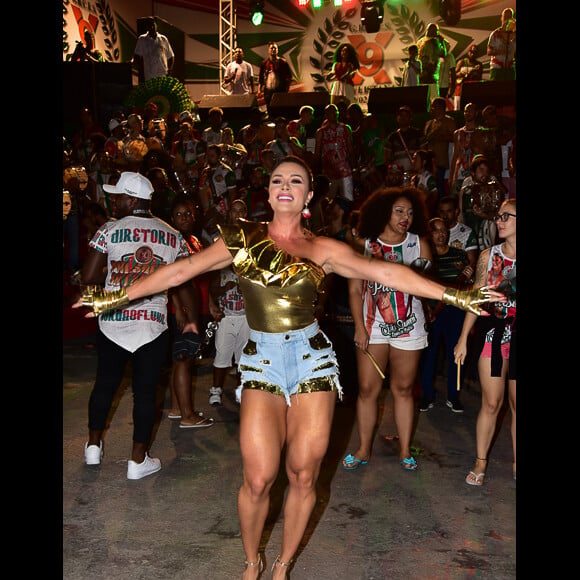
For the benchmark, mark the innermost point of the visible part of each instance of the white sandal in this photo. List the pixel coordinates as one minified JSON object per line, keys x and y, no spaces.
{"x":473,"y":478}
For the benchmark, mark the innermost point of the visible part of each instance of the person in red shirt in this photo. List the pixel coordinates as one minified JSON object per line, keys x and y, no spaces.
{"x":344,"y":67}
{"x":334,"y":153}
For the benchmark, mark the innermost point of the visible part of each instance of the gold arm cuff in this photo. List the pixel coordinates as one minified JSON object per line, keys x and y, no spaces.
{"x":101,"y":301}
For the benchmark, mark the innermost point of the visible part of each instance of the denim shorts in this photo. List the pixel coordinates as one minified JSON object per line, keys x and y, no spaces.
{"x":288,"y":363}
{"x":185,"y":345}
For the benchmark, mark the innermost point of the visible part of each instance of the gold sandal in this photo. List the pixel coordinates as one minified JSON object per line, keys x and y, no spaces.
{"x":259,"y":562}
{"x":283,"y":564}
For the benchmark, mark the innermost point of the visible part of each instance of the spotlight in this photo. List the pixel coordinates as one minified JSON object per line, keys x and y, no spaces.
{"x":371,"y":15}
{"x":450,"y":11}
{"x":256,"y":12}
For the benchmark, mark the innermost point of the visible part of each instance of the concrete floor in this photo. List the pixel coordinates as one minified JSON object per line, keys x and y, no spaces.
{"x":374,"y":523}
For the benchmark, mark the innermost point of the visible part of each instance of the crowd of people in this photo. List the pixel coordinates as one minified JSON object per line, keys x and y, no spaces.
{"x":409,"y":235}
{"x":215,"y":164}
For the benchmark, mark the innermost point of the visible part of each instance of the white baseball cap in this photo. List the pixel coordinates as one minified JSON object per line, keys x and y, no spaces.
{"x":133,"y":184}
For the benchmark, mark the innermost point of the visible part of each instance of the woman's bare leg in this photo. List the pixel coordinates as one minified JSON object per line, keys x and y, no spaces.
{"x":403,"y":366}
{"x":262,"y":436}
{"x":492,"y":395}
{"x":370,"y":384}
{"x":309,"y":422}
{"x":512,"y":400}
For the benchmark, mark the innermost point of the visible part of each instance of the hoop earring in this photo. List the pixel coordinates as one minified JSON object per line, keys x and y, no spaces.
{"x":306,"y":212}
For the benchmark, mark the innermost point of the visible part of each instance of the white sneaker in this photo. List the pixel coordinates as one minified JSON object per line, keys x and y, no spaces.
{"x":93,"y":453}
{"x":215,"y":396}
{"x":138,"y":470}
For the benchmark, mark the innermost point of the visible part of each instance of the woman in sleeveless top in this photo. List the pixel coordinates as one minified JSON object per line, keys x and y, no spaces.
{"x":389,"y":324}
{"x":289,"y":375}
{"x":494,"y":339}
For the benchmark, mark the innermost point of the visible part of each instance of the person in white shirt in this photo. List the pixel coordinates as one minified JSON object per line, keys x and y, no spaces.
{"x":239,"y":75}
{"x":447,"y":77}
{"x":229,"y":311}
{"x":501,"y":47}
{"x":413,"y":68}
{"x":153,"y":55}
{"x":121,"y":251}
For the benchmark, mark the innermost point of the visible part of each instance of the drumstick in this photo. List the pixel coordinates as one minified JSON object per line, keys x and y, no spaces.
{"x":375,"y":363}
{"x":458,"y":375}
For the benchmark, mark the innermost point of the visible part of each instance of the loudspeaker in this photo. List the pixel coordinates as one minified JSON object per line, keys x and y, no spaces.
{"x":78,"y":84}
{"x":288,"y":104}
{"x":482,"y":93}
{"x":228,"y":102}
{"x":236,"y":108}
{"x":388,"y":100}
{"x":100,"y":86}
{"x":176,"y":38}
{"x":114,"y":82}
{"x":450,"y":11}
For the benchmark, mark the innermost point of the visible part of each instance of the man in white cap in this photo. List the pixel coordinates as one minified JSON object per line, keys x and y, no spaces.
{"x":114,"y":143}
{"x":123,"y":250}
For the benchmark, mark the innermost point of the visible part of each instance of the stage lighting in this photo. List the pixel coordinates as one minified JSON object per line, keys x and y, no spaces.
{"x":256,"y":12}
{"x":371,"y":15}
{"x":450,"y":11}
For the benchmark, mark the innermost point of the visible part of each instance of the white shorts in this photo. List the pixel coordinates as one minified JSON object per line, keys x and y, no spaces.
{"x":402,"y":343}
{"x":230,"y":338}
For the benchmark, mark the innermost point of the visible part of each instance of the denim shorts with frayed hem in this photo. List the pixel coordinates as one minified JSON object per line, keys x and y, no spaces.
{"x":288,"y":363}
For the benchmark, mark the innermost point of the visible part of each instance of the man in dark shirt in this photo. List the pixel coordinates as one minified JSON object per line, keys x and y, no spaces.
{"x":402,"y":143}
{"x":450,"y":266}
{"x":275,"y":75}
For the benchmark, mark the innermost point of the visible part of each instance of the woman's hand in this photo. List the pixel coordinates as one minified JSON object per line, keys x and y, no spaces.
{"x":460,"y":352}
{"x":471,"y":300}
{"x":100,"y":300}
{"x":215,"y":311}
{"x":361,"y":338}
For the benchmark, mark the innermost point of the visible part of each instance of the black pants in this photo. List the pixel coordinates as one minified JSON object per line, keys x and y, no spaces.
{"x":146,"y":363}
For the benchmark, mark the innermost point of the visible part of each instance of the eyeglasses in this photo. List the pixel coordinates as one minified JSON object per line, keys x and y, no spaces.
{"x":503,"y":217}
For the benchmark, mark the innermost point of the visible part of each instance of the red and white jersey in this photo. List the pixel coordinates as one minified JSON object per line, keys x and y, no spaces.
{"x":501,"y":274}
{"x":232,"y":301}
{"x":499,"y":40}
{"x":334,"y":150}
{"x":136,"y":247}
{"x":388,"y":312}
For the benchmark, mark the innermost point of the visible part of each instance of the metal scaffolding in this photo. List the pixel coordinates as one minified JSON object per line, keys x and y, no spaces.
{"x":227,"y":36}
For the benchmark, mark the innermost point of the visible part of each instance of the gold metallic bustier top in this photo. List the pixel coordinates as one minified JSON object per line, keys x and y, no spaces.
{"x":279,"y":290}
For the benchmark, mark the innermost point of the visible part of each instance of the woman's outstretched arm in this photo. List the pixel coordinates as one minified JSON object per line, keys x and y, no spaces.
{"x":213,"y":257}
{"x":340,"y":258}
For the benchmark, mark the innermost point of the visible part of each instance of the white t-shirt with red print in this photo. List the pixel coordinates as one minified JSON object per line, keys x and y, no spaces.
{"x":389,"y":313}
{"x":136,"y":247}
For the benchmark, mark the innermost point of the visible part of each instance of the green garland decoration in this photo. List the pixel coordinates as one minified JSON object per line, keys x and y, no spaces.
{"x":168,"y":93}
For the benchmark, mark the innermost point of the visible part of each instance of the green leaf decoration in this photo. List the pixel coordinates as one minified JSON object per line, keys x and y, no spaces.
{"x":168,"y":93}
